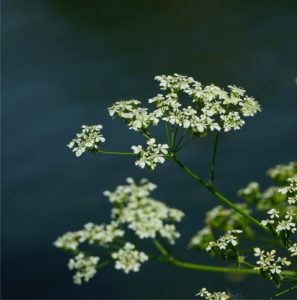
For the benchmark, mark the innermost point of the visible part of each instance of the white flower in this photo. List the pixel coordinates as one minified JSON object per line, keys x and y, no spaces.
{"x":169,"y":232}
{"x":142,"y":214}
{"x":128,"y":259}
{"x":85,"y":267}
{"x":212,"y":108}
{"x":232,"y":121}
{"x":281,"y":173}
{"x":268,"y":262}
{"x":204,"y":294}
{"x":250,"y":107}
{"x":88,"y":139}
{"x":228,"y":239}
{"x":286,"y":225}
{"x":137,"y":118}
{"x":70,"y":240}
{"x":274,"y":214}
{"x":293,"y":249}
{"x":153,"y":155}
{"x":200,"y":237}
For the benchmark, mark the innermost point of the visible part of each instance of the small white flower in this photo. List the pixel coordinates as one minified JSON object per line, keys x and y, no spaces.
{"x":293,"y":249}
{"x":87,"y":140}
{"x":204,"y":294}
{"x":85,"y":267}
{"x":153,"y":155}
{"x":274,"y":214}
{"x":128,"y":258}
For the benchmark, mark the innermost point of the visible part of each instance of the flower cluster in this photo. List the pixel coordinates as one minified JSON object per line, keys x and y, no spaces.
{"x":220,"y":218}
{"x":133,"y":209}
{"x":285,"y":225}
{"x":281,"y":173}
{"x":137,"y":118}
{"x":212,"y":107}
{"x":92,"y":234}
{"x":290,"y":190}
{"x":201,"y":239}
{"x":85,"y":267}
{"x":226,"y":246}
{"x":143,"y":215}
{"x":128,"y":258}
{"x":293,"y":249}
{"x":270,"y":265}
{"x":88,"y":139}
{"x":153,"y":155}
{"x":204,"y":294}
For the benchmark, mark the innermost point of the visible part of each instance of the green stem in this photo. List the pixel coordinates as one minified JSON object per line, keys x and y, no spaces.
{"x":285,"y":291}
{"x":185,"y":144}
{"x":207,"y":268}
{"x":158,"y":245}
{"x":167,"y":135}
{"x":115,"y":153}
{"x":219,"y":196}
{"x":213,"y":162}
{"x":103,"y":264}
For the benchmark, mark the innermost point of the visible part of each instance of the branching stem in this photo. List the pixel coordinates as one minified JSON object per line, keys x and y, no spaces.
{"x":219,"y":196}
{"x":213,"y":162}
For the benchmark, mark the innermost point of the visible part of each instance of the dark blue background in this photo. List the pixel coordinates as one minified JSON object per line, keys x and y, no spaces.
{"x":65,"y":62}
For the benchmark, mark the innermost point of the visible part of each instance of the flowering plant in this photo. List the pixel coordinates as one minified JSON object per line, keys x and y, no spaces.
{"x":136,"y":214}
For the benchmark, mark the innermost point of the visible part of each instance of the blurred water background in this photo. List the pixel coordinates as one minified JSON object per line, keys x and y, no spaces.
{"x":64,"y":62}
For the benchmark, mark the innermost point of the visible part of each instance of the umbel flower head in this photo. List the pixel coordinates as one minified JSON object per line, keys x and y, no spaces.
{"x":88,"y":139}
{"x":212,"y":108}
{"x":145,"y":216}
{"x":270,"y":265}
{"x":128,"y":258}
{"x":133,"y":210}
{"x":153,"y":155}
{"x":205,"y":294}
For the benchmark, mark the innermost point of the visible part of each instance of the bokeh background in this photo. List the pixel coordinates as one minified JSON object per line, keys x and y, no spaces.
{"x":65,"y":61}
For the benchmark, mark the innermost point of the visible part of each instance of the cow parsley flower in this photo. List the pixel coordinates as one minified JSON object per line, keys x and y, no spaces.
{"x":281,"y":173}
{"x":249,"y":107}
{"x":85,"y":267}
{"x":102,"y":234}
{"x":290,"y":190}
{"x":285,"y":224}
{"x":91,"y":233}
{"x":226,"y":246}
{"x":211,"y":109}
{"x":270,"y":265}
{"x":70,"y":240}
{"x":227,"y":239}
{"x":137,"y":118}
{"x":142,"y":214}
{"x":201,"y":239}
{"x":204,"y":294}
{"x":293,"y":249}
{"x":153,"y":155}
{"x":128,"y":258}
{"x":87,"y":140}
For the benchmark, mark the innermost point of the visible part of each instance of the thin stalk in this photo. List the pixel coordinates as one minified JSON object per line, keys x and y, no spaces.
{"x":185,"y":144}
{"x":159,"y":246}
{"x":219,"y":196}
{"x":213,"y":162}
{"x":173,"y":136}
{"x":285,"y":291}
{"x":115,"y":153}
{"x":207,"y":268}
{"x":103,"y":264}
{"x":181,"y":139}
{"x":167,"y":135}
